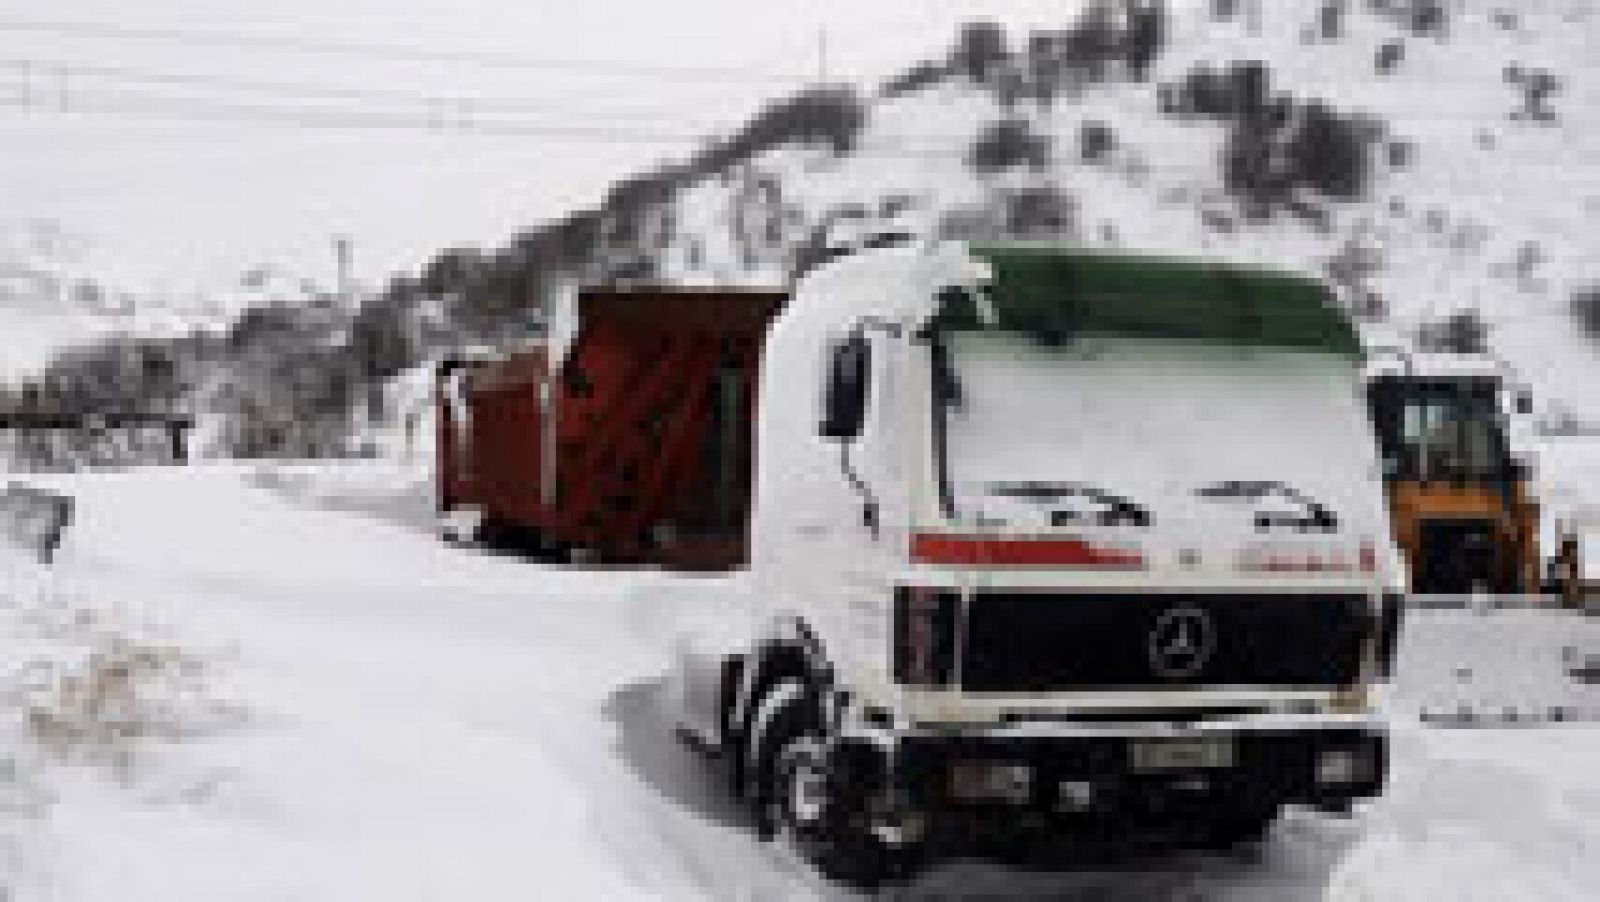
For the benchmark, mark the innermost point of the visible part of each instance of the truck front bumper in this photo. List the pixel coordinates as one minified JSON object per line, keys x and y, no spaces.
{"x":1152,"y":773}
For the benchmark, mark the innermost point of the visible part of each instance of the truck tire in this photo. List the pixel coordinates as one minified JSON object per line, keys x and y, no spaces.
{"x":799,"y":800}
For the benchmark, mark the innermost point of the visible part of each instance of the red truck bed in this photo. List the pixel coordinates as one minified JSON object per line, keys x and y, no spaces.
{"x":636,"y":446}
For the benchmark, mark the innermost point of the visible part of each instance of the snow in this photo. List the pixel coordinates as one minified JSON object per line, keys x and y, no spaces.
{"x":1193,"y":403}
{"x":368,"y":713}
{"x":1493,"y":213}
{"x":384,"y":716}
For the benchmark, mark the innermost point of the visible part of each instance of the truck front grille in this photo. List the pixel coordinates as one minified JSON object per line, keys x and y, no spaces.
{"x":1042,"y":642}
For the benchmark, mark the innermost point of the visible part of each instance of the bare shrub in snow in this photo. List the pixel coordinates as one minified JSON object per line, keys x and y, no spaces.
{"x":1586,"y":310}
{"x":1328,"y":152}
{"x":1399,"y":154}
{"x":758,"y":220}
{"x":981,"y":48}
{"x":1217,"y":221}
{"x":1530,"y":256}
{"x":1039,"y":212}
{"x":1330,"y":19}
{"x":1279,"y":151}
{"x":1006,"y":144}
{"x":1034,"y":211}
{"x":1109,"y":39}
{"x":1390,"y":54}
{"x":1096,"y":41}
{"x":1278,"y":148}
{"x":970,"y":223}
{"x":896,"y":205}
{"x":1460,"y":333}
{"x":1048,"y":66}
{"x":831,"y":117}
{"x":1422,"y":17}
{"x":1218,"y":93}
{"x":921,"y":77}
{"x":1536,"y":87}
{"x":1354,"y":264}
{"x":1096,"y":140}
{"x":1146,"y":37}
{"x":1369,"y":305}
{"x":823,"y":242}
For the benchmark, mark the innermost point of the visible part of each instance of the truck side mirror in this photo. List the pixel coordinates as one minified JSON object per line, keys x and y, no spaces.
{"x":844,"y":399}
{"x":1524,"y":403}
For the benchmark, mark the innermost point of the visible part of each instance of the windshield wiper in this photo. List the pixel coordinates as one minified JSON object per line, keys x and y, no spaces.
{"x":1118,"y":509}
{"x":1317,"y":517}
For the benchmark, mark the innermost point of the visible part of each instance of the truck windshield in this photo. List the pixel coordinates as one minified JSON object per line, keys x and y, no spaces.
{"x":1126,"y":384}
{"x":1113,"y":432}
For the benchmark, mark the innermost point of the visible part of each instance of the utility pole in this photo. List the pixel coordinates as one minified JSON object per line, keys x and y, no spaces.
{"x":341,"y":254}
{"x":371,"y":392}
{"x":822,"y":56}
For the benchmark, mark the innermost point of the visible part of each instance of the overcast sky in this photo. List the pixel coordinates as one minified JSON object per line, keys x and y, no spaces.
{"x":172,"y":206}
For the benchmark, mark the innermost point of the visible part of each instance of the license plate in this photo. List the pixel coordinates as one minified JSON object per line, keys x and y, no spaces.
{"x":1180,"y":754}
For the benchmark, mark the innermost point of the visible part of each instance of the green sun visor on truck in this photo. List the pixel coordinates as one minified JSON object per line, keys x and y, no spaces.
{"x":1056,"y":293}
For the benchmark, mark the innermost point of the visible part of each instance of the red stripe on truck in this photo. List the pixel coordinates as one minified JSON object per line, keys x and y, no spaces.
{"x":977,"y":551}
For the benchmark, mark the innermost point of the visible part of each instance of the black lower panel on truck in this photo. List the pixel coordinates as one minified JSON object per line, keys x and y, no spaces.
{"x":1043,"y":642}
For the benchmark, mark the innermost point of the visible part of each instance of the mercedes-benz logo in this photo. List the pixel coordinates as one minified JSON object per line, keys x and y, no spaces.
{"x":1181,"y":642}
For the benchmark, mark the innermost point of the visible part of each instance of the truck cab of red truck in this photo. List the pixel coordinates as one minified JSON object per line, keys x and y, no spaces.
{"x":1045,"y":536}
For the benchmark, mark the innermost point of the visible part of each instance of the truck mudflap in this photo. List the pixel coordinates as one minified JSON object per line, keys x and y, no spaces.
{"x":1139,"y":775}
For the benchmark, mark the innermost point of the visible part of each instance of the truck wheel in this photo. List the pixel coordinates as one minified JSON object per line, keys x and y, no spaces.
{"x":800,"y":799}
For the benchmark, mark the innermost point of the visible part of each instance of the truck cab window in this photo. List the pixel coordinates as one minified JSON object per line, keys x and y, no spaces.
{"x":1452,"y":436}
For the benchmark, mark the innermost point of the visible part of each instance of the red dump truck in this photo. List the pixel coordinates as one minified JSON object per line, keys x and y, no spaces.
{"x":628,"y":441}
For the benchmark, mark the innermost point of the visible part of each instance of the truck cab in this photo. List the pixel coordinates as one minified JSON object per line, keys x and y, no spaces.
{"x":1044,"y":536}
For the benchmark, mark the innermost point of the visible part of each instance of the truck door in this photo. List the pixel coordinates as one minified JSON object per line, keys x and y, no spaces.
{"x":872,"y":533}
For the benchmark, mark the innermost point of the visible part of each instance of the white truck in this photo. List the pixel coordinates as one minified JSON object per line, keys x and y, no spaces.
{"x":1045,"y":537}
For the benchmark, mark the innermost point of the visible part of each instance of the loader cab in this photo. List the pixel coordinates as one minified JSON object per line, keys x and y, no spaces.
{"x":1459,"y":497}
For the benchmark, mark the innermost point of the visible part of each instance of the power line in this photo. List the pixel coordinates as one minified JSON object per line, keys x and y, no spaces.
{"x":394,"y":52}
{"x":46,"y":85}
{"x":207,"y":110}
{"x":196,"y":109}
{"x":27,"y":69}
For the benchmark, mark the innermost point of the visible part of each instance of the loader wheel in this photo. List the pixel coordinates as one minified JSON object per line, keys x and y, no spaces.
{"x":800,"y":800}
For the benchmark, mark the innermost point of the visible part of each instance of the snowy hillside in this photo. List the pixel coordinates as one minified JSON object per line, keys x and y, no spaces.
{"x":43,"y":305}
{"x":1431,"y":157}
{"x":55,"y":294}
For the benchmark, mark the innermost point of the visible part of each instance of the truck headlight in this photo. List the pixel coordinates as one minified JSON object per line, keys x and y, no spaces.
{"x":924,"y":636}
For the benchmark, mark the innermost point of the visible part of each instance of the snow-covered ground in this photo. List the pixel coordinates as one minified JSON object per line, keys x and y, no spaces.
{"x":380,"y":716}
